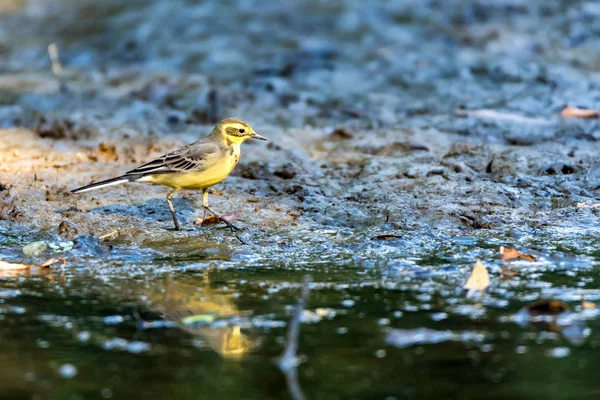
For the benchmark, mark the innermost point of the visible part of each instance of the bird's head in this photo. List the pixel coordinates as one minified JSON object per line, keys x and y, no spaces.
{"x":236,"y":131}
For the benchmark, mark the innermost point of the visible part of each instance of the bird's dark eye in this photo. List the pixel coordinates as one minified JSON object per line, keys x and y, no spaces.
{"x":242,"y":130}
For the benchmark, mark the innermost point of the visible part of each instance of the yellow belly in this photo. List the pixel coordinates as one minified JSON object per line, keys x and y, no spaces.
{"x":193,"y":180}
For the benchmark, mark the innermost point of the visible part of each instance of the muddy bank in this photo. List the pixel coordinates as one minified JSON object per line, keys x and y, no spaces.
{"x":362,"y":120}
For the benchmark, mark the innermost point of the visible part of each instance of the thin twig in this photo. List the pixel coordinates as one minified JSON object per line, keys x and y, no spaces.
{"x":109,"y":236}
{"x":484,"y":113}
{"x":57,"y":68}
{"x":288,"y":362}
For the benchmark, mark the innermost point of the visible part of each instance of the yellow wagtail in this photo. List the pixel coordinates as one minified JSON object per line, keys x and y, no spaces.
{"x":196,"y":166}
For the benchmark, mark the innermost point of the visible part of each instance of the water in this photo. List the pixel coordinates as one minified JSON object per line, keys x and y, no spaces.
{"x":148,"y":326}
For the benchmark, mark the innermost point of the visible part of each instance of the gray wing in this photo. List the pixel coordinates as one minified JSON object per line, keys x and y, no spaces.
{"x":196,"y":156}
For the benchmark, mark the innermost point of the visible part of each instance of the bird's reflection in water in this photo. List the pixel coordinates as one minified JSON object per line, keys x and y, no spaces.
{"x":203,"y":312}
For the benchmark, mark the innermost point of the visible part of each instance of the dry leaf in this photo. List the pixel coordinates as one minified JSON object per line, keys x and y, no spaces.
{"x":508,"y":274}
{"x":546,"y":315}
{"x":17,"y":267}
{"x":543,"y":314}
{"x":513,"y":254}
{"x":587,"y":305}
{"x":10,"y":266}
{"x":574,"y":112}
{"x":109,"y":236}
{"x":52,"y":261}
{"x":479,"y":279}
{"x":215,"y":192}
{"x":212,"y":220}
{"x":387,"y":236}
{"x":583,"y":205}
{"x":545,"y":307}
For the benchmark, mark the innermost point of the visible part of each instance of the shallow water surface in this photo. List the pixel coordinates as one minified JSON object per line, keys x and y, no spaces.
{"x":212,"y":323}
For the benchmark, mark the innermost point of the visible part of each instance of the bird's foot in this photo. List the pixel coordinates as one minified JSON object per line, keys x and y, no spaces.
{"x":223,"y":219}
{"x":233,"y":227}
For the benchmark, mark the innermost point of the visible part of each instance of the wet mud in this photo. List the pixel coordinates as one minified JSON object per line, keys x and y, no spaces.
{"x":407,"y":139}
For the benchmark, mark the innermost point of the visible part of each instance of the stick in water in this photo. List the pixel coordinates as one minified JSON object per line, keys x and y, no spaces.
{"x":288,"y":362}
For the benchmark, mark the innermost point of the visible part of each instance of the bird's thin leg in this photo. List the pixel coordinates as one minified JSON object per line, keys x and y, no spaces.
{"x":213,"y":212}
{"x":204,"y":202}
{"x":169,"y":196}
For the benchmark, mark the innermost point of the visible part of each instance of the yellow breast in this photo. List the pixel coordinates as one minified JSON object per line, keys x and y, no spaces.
{"x":198,"y":180}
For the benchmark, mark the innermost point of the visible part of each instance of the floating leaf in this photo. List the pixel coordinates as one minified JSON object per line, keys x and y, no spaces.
{"x":513,"y":254}
{"x":554,"y":316}
{"x":575,"y":112}
{"x":479,"y":279}
{"x":10,"y":266}
{"x":17,"y":267}
{"x":545,"y":307}
{"x":508,"y":274}
{"x":588,"y":305}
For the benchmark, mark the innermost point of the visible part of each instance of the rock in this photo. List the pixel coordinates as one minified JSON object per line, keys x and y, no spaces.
{"x":296,"y":190}
{"x":286,"y":171}
{"x":67,"y":229}
{"x":35,"y":248}
{"x":253,"y":170}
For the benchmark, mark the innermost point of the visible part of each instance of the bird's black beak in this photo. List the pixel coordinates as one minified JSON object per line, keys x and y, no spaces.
{"x":257,"y":136}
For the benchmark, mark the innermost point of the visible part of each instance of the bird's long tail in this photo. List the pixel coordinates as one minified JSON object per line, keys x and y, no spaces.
{"x":109,"y":182}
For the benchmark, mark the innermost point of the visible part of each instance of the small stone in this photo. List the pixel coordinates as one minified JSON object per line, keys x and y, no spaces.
{"x":286,"y":171}
{"x":35,"y":248}
{"x":67,"y":230}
